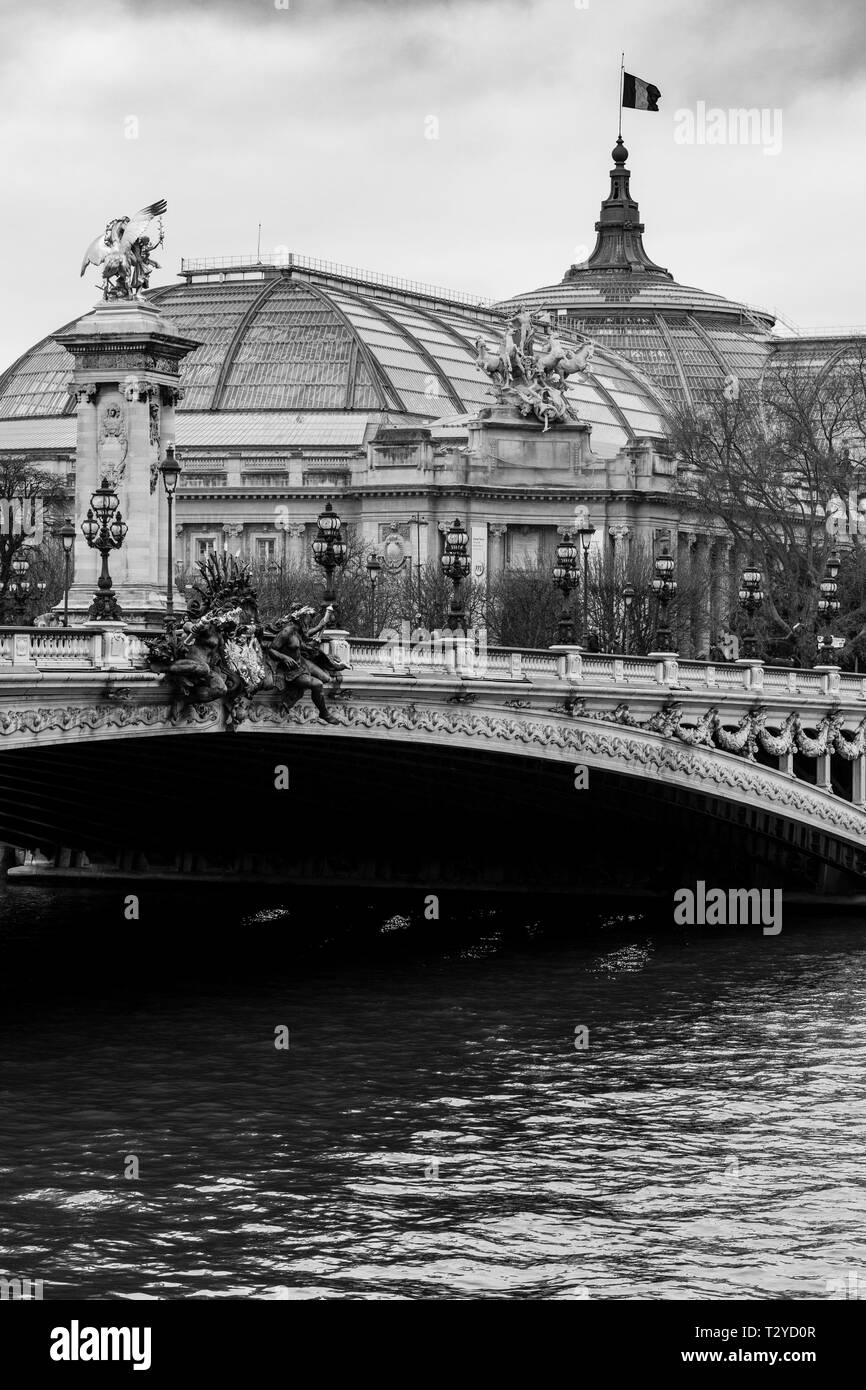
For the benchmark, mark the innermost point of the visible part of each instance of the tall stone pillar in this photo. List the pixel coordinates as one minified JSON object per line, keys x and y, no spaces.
{"x":620,"y":535}
{"x":127,"y":361}
{"x":295,"y":533}
{"x":703,"y":629}
{"x":497,"y":548}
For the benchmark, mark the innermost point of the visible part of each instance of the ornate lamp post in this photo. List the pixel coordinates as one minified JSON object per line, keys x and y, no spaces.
{"x":104,"y":530}
{"x":566,"y":579}
{"x":374,"y":569}
{"x":750,"y":597}
{"x":628,"y":600}
{"x":586,"y":534}
{"x":67,"y":536}
{"x":664,"y":588}
{"x":329,"y":551}
{"x":455,"y":566}
{"x":170,"y":470}
{"x":21,"y":566}
{"x":828,"y":604}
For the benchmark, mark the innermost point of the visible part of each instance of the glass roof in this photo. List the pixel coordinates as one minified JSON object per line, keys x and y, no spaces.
{"x":281,"y":343}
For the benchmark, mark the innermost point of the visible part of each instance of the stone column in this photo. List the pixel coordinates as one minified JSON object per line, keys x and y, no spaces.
{"x":233,"y":535}
{"x":295,"y":533}
{"x":497,"y":542}
{"x":127,"y":361}
{"x":703,"y":602}
{"x":620,"y":534}
{"x":683,"y":575}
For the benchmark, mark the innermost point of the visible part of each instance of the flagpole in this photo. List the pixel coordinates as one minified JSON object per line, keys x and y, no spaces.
{"x":621,"y":71}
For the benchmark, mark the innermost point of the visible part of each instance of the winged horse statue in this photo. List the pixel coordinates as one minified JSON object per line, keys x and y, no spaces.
{"x":123,"y":253}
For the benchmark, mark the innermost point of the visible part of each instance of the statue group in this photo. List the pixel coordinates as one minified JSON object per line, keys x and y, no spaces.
{"x":124,"y":253}
{"x":533,"y":376}
{"x":221,"y":651}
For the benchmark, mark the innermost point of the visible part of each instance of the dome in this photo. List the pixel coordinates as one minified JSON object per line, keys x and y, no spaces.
{"x":306,"y":353}
{"x":685,"y":340}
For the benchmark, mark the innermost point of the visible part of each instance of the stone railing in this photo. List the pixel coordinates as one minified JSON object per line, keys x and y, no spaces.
{"x":90,"y":647}
{"x":606,"y":669}
{"x":107,"y":648}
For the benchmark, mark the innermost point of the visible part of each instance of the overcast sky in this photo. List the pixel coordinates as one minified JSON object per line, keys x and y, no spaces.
{"x":314,"y":119}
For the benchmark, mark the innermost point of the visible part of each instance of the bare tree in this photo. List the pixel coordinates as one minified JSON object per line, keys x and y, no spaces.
{"x":30,"y":502}
{"x":772,"y":466}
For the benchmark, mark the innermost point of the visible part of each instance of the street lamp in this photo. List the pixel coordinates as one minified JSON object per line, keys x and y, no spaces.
{"x":374,"y":569}
{"x":170,"y":470}
{"x":104,"y":530}
{"x":329,"y":551}
{"x":750,"y":597}
{"x":586,"y":533}
{"x":628,"y":600}
{"x":21,"y":566}
{"x":664,"y":588}
{"x":566,"y":579}
{"x":67,"y":536}
{"x":828,"y":604}
{"x":455,"y":566}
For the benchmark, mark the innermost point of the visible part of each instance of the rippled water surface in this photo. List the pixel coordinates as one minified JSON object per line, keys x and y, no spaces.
{"x":432,"y":1129}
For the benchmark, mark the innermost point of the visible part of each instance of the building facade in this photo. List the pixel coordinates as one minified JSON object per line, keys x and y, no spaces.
{"x":314,"y":382}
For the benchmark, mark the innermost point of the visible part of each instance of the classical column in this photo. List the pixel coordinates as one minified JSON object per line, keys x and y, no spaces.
{"x":684,"y":575}
{"x":295,"y":533}
{"x":233,"y":534}
{"x":620,"y":534}
{"x":497,"y":548}
{"x":127,"y":359}
{"x":702,"y":572}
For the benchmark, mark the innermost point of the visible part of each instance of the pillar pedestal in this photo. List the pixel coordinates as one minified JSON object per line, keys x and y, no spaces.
{"x":127,"y":364}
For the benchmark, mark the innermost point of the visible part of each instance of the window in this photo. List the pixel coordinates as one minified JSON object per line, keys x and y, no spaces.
{"x":204,"y":546}
{"x":265,"y":549}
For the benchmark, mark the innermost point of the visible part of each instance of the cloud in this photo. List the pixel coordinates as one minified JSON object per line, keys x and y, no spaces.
{"x":314,"y":121}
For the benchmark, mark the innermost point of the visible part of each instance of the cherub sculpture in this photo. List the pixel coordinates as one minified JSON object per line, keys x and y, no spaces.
{"x":123,"y":253}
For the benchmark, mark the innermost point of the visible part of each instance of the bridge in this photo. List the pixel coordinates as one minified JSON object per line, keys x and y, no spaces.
{"x":575,"y":750}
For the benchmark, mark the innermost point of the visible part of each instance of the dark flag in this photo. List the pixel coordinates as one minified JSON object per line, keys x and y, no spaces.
{"x":639,"y":95}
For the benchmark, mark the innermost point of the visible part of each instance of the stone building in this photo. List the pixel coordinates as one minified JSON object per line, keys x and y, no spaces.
{"x":314,"y":382}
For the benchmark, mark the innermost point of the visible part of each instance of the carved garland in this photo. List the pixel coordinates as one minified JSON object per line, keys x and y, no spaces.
{"x":749,"y":734}
{"x":656,"y":757}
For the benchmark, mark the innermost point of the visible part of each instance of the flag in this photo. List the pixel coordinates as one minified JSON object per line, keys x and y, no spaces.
{"x":639,"y":95}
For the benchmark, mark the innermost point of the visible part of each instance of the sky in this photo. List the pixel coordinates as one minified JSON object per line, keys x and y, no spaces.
{"x":463,"y":144}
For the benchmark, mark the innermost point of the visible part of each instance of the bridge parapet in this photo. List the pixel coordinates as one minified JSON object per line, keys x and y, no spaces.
{"x":103,"y":647}
{"x":600,"y":669}
{"x":108,"y":647}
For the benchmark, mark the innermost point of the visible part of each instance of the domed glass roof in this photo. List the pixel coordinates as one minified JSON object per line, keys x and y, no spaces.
{"x":275,"y":342}
{"x":685,"y":340}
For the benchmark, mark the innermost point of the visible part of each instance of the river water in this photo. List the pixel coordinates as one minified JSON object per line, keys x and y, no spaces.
{"x":434,"y":1128}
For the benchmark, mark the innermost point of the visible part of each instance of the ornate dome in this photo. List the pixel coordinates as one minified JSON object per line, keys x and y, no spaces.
{"x":686,"y":340}
{"x":302,"y":353}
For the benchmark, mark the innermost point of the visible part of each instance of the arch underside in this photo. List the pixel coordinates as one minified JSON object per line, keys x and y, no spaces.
{"x":506,"y":772}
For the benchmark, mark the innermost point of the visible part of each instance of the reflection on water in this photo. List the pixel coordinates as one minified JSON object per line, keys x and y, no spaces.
{"x":432,"y":1130}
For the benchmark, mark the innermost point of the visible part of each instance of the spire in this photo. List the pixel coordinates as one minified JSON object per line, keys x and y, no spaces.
{"x":619,"y":245}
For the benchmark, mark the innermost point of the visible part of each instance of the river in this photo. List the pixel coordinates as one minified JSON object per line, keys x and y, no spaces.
{"x":435,"y":1126}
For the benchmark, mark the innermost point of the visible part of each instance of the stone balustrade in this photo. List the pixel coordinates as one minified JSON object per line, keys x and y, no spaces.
{"x":95,"y":647}
{"x":598,"y":669}
{"x":107,"y":647}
